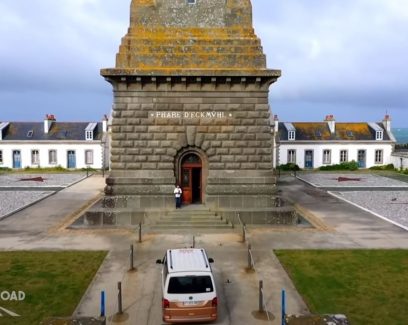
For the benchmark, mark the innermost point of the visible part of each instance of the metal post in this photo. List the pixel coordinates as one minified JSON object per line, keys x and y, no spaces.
{"x":283,"y":308}
{"x":243,"y":233}
{"x":131,"y":255}
{"x":140,"y":232}
{"x":193,"y":241}
{"x":103,"y":304}
{"x":249,"y":257}
{"x":120,"y":311}
{"x":261,"y":304}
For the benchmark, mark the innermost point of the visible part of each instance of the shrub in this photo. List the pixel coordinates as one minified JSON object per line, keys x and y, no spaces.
{"x":289,"y":167}
{"x":383,"y":167}
{"x":58,"y":168}
{"x":350,"y":165}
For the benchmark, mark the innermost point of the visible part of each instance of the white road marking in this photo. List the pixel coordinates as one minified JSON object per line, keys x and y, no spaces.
{"x":8,"y":312}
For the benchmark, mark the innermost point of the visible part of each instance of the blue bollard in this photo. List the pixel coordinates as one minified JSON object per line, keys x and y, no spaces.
{"x":283,"y":308}
{"x":102,"y":303}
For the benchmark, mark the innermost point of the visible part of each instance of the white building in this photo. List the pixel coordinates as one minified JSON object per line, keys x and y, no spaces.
{"x":400,"y":159}
{"x":312,"y":145}
{"x":50,"y":143}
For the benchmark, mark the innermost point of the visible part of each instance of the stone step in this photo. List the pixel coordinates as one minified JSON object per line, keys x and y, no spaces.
{"x":195,"y":222}
{"x":189,"y":217}
{"x":186,"y":227}
{"x":190,"y":212}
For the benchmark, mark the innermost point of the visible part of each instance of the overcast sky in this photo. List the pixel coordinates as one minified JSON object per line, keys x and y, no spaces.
{"x":342,"y":57}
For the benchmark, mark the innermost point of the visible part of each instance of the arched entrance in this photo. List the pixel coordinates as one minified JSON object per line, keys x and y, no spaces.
{"x":191,"y":178}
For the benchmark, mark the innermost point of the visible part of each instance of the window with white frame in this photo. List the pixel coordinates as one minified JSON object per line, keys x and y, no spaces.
{"x":379,"y":135}
{"x":35,"y":157}
{"x":326,"y":156}
{"x":1,"y":157}
{"x":88,"y":157}
{"x":191,"y":2}
{"x":379,"y":156}
{"x":89,"y":135}
{"x":291,"y":135}
{"x":52,"y":157}
{"x":291,"y":156}
{"x":343,"y":156}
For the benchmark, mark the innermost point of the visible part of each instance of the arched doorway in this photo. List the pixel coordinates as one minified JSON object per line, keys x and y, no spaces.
{"x":191,"y":178}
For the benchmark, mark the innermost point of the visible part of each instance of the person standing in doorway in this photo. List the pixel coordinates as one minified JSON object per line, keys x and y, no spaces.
{"x":177,"y":194}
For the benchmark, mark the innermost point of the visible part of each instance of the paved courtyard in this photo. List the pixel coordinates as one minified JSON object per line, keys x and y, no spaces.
{"x":18,"y":191}
{"x":42,"y":227}
{"x":371,"y":192}
{"x":350,"y":180}
{"x":39,"y":180}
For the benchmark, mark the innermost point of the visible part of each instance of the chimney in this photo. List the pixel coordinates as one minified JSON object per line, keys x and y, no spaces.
{"x":331,"y":122}
{"x":49,"y":119}
{"x":105,"y":124}
{"x":276,"y":123}
{"x":387,"y":122}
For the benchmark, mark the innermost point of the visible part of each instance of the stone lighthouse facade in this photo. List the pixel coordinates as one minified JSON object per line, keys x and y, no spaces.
{"x":191,"y":108}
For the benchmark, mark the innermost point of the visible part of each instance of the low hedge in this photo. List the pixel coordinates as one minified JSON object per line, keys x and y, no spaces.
{"x":350,"y":165}
{"x":289,"y":167}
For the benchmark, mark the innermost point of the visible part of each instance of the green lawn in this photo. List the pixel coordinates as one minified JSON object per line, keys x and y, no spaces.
{"x":369,"y":286}
{"x":53,"y":282}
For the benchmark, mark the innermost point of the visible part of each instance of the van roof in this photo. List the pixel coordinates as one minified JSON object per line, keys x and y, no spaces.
{"x":187,"y":260}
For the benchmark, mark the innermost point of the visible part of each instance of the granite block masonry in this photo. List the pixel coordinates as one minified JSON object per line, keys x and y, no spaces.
{"x":191,"y":107}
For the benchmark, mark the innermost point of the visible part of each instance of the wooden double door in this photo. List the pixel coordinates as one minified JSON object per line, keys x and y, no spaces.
{"x":191,"y":179}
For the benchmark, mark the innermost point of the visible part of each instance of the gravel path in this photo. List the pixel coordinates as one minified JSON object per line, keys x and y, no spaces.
{"x":13,"y":200}
{"x":350,"y":180}
{"x":392,"y":205}
{"x":16,"y":180}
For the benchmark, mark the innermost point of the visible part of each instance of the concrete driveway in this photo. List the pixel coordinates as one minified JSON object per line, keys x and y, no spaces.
{"x":341,"y":225}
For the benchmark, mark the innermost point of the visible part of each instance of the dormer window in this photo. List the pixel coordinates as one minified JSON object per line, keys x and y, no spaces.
{"x":291,"y":135}
{"x":379,"y":135}
{"x":89,"y":131}
{"x":89,"y":135}
{"x":30,"y":134}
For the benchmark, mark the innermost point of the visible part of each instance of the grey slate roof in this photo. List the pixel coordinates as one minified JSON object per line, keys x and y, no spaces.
{"x":319,"y":131}
{"x":69,"y":131}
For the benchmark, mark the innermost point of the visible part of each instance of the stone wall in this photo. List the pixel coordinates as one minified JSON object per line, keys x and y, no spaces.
{"x":190,"y":77}
{"x":155,"y":118}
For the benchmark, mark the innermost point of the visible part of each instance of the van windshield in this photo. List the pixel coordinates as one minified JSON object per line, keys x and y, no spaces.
{"x":190,"y":284}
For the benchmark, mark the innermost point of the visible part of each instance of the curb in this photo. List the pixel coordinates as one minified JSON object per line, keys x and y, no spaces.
{"x":367,"y":210}
{"x":40,"y":199}
{"x":7,"y":215}
{"x":85,"y":294}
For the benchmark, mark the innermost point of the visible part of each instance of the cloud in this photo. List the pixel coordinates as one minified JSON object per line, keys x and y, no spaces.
{"x":333,"y":53}
{"x":55,"y":45}
{"x":341,"y":51}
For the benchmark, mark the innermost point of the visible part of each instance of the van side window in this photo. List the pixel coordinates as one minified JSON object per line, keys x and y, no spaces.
{"x":165,"y":269}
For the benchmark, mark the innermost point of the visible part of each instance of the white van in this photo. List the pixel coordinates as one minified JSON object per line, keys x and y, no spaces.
{"x":188,"y":286}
